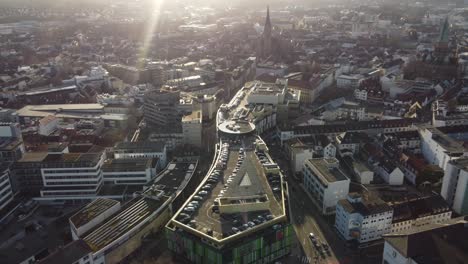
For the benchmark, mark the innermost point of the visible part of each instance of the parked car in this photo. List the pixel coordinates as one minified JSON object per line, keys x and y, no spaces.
{"x":189,"y":209}
{"x":197,"y":198}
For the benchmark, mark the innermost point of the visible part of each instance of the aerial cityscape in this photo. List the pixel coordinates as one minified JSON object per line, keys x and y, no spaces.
{"x":233,"y":132}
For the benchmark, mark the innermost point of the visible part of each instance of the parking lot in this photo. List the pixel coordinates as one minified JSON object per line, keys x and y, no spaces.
{"x":238,"y":173}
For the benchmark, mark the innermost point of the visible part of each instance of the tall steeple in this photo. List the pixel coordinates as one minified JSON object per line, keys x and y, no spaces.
{"x":441,"y":46}
{"x":444,"y":31}
{"x":266,"y":38}
{"x":267,"y":28}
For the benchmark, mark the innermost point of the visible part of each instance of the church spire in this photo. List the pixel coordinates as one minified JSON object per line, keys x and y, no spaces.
{"x":267,"y":28}
{"x":444,"y":31}
{"x":266,"y":39}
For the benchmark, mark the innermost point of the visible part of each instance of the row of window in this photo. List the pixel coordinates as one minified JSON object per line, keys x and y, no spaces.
{"x":72,"y":183}
{"x":73,"y":171}
{"x":376,"y":220}
{"x":5,"y":185}
{"x":4,"y":177}
{"x":4,"y":192}
{"x":73,"y":177}
{"x":115,"y":176}
{"x":67,"y":193}
{"x":4,"y":199}
{"x":131,"y":182}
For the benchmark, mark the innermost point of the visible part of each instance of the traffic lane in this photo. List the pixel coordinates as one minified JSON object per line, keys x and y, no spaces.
{"x":315,"y":222}
{"x":319,"y":227}
{"x":306,"y":224}
{"x":297,"y":218}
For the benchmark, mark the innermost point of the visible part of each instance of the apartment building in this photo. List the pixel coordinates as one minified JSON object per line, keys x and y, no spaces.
{"x":363,"y":219}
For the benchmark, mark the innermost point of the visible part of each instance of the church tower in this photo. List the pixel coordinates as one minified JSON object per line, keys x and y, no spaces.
{"x":266,"y":38}
{"x":441,"y":47}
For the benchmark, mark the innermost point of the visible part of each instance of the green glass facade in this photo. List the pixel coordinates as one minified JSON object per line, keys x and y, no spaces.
{"x":265,"y":246}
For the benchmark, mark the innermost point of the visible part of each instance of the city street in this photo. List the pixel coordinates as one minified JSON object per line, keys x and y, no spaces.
{"x":306,"y":219}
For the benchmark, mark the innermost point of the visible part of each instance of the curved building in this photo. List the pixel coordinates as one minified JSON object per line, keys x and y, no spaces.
{"x":238,"y":213}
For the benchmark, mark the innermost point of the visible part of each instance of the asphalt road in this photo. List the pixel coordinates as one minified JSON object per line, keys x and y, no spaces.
{"x":306,"y":219}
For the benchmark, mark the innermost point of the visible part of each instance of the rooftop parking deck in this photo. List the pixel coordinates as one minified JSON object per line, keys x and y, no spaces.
{"x":237,"y":195}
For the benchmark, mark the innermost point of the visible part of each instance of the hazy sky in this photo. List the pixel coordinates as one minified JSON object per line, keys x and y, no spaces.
{"x":81,"y":3}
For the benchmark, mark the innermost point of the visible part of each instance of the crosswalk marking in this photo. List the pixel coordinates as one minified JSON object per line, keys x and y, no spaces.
{"x":304,"y":259}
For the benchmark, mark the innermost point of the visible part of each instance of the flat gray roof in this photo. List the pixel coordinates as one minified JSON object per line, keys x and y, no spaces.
{"x":92,"y":210}
{"x":141,"y":164}
{"x":78,"y":111}
{"x":174,"y":178}
{"x":330,"y":174}
{"x":134,"y":212}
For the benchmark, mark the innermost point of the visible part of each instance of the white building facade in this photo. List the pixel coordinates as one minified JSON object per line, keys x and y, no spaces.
{"x":455,"y":185}
{"x":391,"y":175}
{"x":72,"y":178}
{"x":438,"y":148}
{"x":143,"y":149}
{"x":326,"y":183}
{"x":362,"y":221}
{"x":129,"y":171}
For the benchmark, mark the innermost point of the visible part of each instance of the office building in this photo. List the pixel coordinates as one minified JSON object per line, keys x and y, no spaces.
{"x":161,"y":109}
{"x":127,"y":171}
{"x":326,"y":183}
{"x":71,"y":177}
{"x":26,"y":173}
{"x":141,"y":149}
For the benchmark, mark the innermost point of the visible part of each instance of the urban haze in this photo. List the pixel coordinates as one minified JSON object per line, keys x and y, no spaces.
{"x":233,"y":132}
